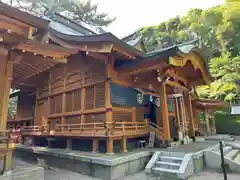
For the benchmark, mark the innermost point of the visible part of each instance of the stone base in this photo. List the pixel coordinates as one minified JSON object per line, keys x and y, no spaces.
{"x":24,"y":173}
{"x":92,"y":164}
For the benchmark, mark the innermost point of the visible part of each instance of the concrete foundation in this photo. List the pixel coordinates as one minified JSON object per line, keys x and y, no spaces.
{"x":96,"y":165}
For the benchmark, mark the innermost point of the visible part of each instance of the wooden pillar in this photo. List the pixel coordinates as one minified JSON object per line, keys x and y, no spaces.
{"x":110,"y":146}
{"x":207,"y":121}
{"x":69,"y":144}
{"x":6,"y":69}
{"x":188,"y":104}
{"x":95,"y":148}
{"x":124,"y":144}
{"x":108,"y":105}
{"x":6,"y":81}
{"x":164,"y":107}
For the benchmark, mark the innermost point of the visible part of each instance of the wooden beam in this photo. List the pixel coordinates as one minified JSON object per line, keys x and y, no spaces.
{"x":175,"y":84}
{"x":178,"y":77}
{"x":98,"y":56}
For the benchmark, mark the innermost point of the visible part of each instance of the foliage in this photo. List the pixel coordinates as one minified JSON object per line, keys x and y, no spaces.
{"x":226,"y":71}
{"x":12,"y":107}
{"x":218,"y":28}
{"x":77,"y":10}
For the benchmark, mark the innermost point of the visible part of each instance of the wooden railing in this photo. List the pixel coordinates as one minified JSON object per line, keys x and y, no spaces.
{"x":130,"y":128}
{"x":155,"y":128}
{"x":95,"y":129}
{"x":33,"y":130}
{"x":78,"y":129}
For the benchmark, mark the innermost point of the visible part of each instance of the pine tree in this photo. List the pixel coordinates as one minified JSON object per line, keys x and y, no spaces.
{"x":77,"y":10}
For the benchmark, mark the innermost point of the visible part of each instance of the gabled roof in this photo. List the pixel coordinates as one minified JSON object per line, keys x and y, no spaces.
{"x":134,"y":38}
{"x":167,"y":55}
{"x":23,"y":16}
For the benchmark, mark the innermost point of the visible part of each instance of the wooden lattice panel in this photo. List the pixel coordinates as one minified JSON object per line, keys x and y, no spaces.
{"x":75,"y":64}
{"x":95,"y":118}
{"x":57,"y":86}
{"x":44,"y":87}
{"x":95,"y":74}
{"x":140,"y":114}
{"x":56,"y":104}
{"x":57,"y":72}
{"x":100,"y":95}
{"x":90,"y":97}
{"x":95,"y":96}
{"x":122,"y":116}
{"x":73,"y":120}
{"x":73,"y":101}
{"x":77,"y":100}
{"x":41,"y":111}
{"x":74,"y":80}
{"x":69,"y":102}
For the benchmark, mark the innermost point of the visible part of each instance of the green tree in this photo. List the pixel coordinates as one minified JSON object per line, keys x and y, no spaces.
{"x":226,"y":71}
{"x":218,"y":28}
{"x":77,"y":10}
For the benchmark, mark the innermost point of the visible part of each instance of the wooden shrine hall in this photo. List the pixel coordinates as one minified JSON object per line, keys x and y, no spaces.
{"x":89,"y":91}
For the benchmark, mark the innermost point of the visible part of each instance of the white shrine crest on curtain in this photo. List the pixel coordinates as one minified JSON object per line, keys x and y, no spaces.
{"x":157,"y":102}
{"x":139,"y":98}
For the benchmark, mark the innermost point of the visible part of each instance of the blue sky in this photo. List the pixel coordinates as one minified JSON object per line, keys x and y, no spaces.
{"x":133,"y":14}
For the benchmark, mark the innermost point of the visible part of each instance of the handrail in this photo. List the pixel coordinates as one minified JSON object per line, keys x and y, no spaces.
{"x":155,"y":125}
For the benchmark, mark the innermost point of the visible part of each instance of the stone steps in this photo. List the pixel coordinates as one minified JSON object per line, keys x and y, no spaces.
{"x":171,"y":159}
{"x":232,"y":154}
{"x":170,"y":164}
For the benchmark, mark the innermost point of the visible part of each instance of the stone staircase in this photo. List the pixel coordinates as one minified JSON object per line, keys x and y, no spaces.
{"x":171,"y":164}
{"x":231,"y":153}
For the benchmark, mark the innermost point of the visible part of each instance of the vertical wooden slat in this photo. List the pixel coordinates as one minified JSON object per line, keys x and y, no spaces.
{"x":134,"y":114}
{"x":64,"y":95}
{"x":49,"y":92}
{"x":165,"y":118}
{"x":83,"y":98}
{"x":35,"y":120}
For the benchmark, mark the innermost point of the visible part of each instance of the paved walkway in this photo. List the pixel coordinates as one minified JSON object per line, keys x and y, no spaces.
{"x":59,"y":174}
